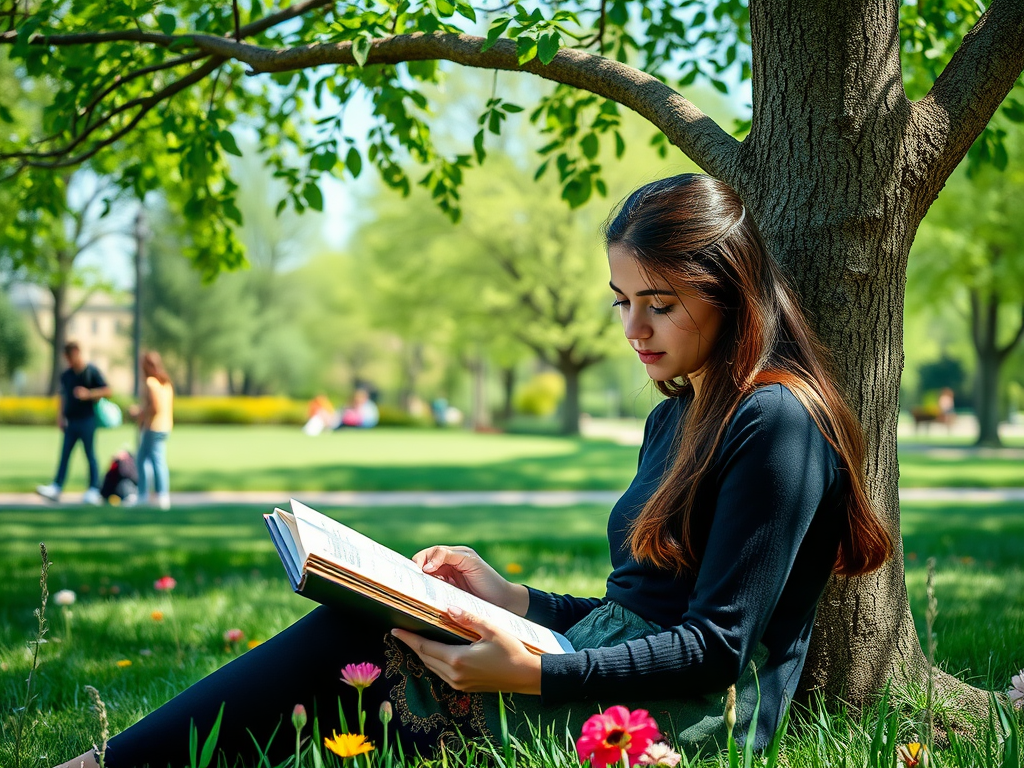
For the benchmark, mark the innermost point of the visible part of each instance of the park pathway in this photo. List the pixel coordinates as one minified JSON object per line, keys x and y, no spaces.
{"x":470,"y":498}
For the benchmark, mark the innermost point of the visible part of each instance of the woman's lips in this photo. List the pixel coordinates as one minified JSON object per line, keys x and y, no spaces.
{"x":650,"y":357}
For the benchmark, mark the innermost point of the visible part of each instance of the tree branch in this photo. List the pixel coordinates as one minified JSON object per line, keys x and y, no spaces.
{"x":146,"y":105}
{"x":92,"y":38}
{"x":1004,"y":352}
{"x":969,"y":90}
{"x":693,"y":132}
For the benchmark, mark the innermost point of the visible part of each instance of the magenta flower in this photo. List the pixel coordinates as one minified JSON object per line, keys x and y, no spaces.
{"x":609,"y":734}
{"x":360,"y":676}
{"x":165,"y":584}
{"x":1016,"y":692}
{"x":233,"y":635}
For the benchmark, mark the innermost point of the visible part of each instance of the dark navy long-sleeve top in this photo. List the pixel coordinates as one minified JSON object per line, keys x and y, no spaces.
{"x":772,"y":508}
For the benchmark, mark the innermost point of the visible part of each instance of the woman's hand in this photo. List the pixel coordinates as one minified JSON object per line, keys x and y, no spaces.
{"x":465,"y":569}
{"x":496,"y":662}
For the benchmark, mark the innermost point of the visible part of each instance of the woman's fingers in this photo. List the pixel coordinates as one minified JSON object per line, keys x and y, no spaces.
{"x":433,"y":558}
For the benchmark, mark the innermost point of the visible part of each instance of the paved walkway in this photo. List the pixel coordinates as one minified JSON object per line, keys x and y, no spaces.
{"x":470,"y":498}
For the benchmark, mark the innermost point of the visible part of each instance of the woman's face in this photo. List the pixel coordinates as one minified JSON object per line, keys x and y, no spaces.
{"x":672,"y":332}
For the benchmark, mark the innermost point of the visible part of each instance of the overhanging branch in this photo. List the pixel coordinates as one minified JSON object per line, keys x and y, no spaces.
{"x":696,"y":134}
{"x":969,"y":90}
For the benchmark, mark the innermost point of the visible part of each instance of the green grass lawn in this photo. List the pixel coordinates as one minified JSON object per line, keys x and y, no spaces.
{"x":228,"y":576}
{"x":276,"y":458}
{"x":282,"y":458}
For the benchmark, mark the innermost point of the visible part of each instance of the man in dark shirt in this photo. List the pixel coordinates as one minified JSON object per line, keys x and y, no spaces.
{"x":81,"y":385}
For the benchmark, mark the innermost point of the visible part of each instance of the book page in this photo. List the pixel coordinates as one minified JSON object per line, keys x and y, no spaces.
{"x":352,"y":551}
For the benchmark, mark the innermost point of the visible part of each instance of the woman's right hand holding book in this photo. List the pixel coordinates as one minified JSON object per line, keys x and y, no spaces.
{"x":464,"y":568}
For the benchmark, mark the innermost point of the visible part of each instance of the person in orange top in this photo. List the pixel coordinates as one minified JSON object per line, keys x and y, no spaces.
{"x":155,"y":417}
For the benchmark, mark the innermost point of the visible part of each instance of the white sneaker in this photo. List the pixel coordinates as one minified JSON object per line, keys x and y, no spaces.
{"x":163,"y":501}
{"x":92,"y":496}
{"x":51,"y":491}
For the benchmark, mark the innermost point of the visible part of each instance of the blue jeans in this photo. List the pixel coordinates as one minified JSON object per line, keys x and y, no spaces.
{"x":84,"y":430}
{"x":153,"y":458}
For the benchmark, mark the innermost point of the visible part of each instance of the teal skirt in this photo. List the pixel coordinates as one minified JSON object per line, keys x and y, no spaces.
{"x":427,"y":705}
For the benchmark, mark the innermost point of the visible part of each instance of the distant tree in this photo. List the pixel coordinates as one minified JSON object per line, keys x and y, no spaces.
{"x":198,"y":326}
{"x":969,"y":254}
{"x":519,"y":269}
{"x":14,"y":349}
{"x":57,"y":219}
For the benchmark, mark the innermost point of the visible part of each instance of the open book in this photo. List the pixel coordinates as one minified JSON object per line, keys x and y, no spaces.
{"x":335,"y":565}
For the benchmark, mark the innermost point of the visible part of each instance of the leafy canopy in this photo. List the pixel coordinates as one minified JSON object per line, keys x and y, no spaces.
{"x":152,"y":92}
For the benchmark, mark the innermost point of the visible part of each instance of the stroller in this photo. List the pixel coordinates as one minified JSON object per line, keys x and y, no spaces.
{"x":120,"y":484}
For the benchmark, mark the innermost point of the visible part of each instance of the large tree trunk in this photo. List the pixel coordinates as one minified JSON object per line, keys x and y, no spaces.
{"x":59,"y":337}
{"x":984,"y":327}
{"x":838,"y":196}
{"x":571,"y":404}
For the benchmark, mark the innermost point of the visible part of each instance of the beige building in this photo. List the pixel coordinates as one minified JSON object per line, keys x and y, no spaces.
{"x":102,"y":327}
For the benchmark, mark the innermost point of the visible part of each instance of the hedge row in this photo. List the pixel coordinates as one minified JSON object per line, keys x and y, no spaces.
{"x":197,"y":410}
{"x":187,"y":410}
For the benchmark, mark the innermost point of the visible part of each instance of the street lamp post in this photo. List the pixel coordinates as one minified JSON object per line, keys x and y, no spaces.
{"x":140,"y":245}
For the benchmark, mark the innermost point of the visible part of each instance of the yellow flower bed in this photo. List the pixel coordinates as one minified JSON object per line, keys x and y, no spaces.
{"x":187,"y":410}
{"x":29,"y":410}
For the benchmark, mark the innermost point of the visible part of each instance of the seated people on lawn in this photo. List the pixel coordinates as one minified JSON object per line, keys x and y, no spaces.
{"x":749,"y":495}
{"x":361,"y":413}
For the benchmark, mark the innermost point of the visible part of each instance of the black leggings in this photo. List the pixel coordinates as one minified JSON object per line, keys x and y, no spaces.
{"x":259,"y":689}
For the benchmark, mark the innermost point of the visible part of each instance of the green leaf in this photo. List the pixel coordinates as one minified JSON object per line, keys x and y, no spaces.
{"x":719,"y":86}
{"x":540,"y":171}
{"x":465,"y":10}
{"x":280,"y":207}
{"x":620,"y":146}
{"x":324,"y":161}
{"x":311,"y":192}
{"x":5,"y":114}
{"x":526,"y":49}
{"x":1014,"y":110}
{"x":511,"y":109}
{"x":167,"y":23}
{"x":478,"y":146}
{"x":498,"y":26}
{"x":445,"y":8}
{"x":548,"y":47}
{"x":590,"y":145}
{"x":231,"y":211}
{"x":354,"y":162}
{"x":577,"y":191}
{"x":361,"y":49}
{"x":228,"y":143}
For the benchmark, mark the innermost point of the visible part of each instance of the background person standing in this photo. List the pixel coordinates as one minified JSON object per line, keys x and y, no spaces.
{"x":155,"y":417}
{"x":81,"y":385}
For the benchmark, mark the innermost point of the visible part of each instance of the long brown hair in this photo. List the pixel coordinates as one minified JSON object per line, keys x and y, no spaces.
{"x":153,"y":365}
{"x":694,"y":231}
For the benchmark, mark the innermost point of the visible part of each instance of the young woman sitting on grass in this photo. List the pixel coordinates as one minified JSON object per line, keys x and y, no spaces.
{"x":749,"y":495}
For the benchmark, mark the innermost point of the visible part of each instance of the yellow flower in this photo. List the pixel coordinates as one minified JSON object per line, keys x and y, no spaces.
{"x":348,"y":744}
{"x":124,"y":663}
{"x":157,"y":615}
{"x":514,"y":568}
{"x":913,"y":755}
{"x":252,"y":644}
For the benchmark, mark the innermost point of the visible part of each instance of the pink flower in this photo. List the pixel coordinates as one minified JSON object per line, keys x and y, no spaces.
{"x":660,"y":754}
{"x":360,"y":676}
{"x":608,"y":734}
{"x":233,"y":635}
{"x":164,"y":584}
{"x":1016,"y":692}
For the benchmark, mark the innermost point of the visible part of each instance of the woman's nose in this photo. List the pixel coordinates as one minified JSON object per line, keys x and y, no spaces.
{"x":635,"y":326}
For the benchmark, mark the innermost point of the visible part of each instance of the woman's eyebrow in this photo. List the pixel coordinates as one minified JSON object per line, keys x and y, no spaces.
{"x":648,"y":292}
